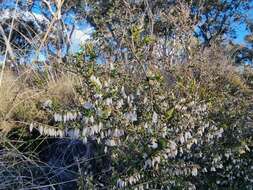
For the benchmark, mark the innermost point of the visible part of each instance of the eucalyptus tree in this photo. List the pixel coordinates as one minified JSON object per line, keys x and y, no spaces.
{"x":137,"y":30}
{"x":159,"y":31}
{"x":243,"y":53}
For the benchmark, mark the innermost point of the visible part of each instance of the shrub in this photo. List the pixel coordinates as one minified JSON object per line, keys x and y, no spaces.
{"x":193,"y":135}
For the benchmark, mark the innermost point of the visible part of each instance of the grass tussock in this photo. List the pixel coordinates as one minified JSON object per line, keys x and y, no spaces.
{"x":21,"y":102}
{"x":63,"y":89}
{"x":18,"y":101}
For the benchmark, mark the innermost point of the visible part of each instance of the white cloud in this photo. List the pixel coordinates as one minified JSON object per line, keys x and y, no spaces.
{"x":79,"y":37}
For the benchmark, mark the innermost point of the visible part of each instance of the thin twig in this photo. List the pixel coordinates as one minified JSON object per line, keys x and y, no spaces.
{"x":7,"y":44}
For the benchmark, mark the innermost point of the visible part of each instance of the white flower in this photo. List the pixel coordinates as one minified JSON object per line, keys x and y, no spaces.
{"x":88,"y":105}
{"x":181,"y":139}
{"x":68,"y":116}
{"x":213,"y":169}
{"x":108,"y":101}
{"x":118,"y":133}
{"x":189,"y":145}
{"x":219,"y":133}
{"x":57,"y":117}
{"x":100,"y":126}
{"x":96,"y":81}
{"x":203,"y":107}
{"x":178,"y":107}
{"x":194,"y":171}
{"x":154,"y":117}
{"x":173,"y":145}
{"x":129,"y":101}
{"x":110,"y":142}
{"x":131,"y":180}
{"x":64,"y":119}
{"x":46,"y":131}
{"x":72,"y":116}
{"x":209,"y":136}
{"x":120,"y":103}
{"x":91,"y":119}
{"x":121,"y":183}
{"x":157,"y":159}
{"x":200,"y":131}
{"x":95,"y":128}
{"x":194,"y":141}
{"x":183,"y":100}
{"x":98,"y":96}
{"x":109,"y":132}
{"x":106,"y":84}
{"x":85,"y":140}
{"x":131,"y":116}
{"x":138,"y":93}
{"x":145,"y":100}
{"x":123,"y":93}
{"x":172,"y":150}
{"x":92,"y":131}
{"x":216,"y":159}
{"x":191,"y":103}
{"x":220,"y":166}
{"x":187,"y":135}
{"x":111,"y":66}
{"x":47,"y":104}
{"x":76,"y":133}
{"x":31,"y":127}
{"x":227,"y":155}
{"x":85,"y":132}
{"x":153,"y":144}
{"x":184,"y":108}
{"x":51,"y":132}
{"x":60,"y":133}
{"x":106,"y":149}
{"x":75,"y":115}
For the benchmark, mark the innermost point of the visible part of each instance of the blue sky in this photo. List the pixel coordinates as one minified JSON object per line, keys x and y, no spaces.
{"x":240,"y":29}
{"x":241,"y":32}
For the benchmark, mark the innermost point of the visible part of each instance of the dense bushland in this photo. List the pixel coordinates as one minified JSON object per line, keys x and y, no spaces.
{"x":157,"y":98}
{"x":95,"y":126}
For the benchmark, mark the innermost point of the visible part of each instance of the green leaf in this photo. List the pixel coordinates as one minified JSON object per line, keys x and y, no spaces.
{"x":169,"y":113}
{"x":148,"y":40}
{"x":193,"y":86}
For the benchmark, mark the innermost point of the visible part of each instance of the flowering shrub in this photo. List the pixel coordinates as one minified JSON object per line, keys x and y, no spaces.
{"x":192,"y":135}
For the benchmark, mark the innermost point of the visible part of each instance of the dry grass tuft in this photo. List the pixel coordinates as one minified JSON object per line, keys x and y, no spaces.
{"x":18,"y":101}
{"x":63,"y":89}
{"x":22,"y":102}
